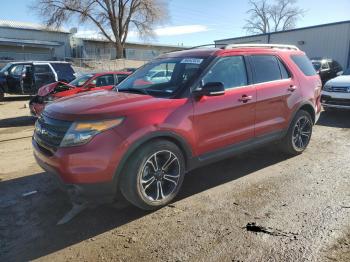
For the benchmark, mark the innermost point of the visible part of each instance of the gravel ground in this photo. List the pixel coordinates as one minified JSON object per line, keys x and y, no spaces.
{"x":300,"y":206}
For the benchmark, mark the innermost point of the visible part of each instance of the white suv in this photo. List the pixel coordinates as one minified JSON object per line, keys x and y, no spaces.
{"x":336,"y":92}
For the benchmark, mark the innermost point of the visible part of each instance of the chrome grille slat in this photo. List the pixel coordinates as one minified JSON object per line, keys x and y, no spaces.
{"x":51,"y":131}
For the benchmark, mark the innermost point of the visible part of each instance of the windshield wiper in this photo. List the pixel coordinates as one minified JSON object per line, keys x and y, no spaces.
{"x":134,"y":90}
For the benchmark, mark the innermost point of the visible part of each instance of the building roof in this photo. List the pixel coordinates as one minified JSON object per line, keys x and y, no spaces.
{"x":29,"y":26}
{"x":290,"y":30}
{"x":12,"y":41}
{"x":92,"y":39}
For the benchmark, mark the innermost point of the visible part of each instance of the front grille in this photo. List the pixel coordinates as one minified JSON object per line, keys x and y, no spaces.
{"x":333,"y":101}
{"x":340,"y":89}
{"x":49,"y":132}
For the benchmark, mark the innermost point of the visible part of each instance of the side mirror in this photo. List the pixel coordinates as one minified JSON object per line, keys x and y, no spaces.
{"x":210,"y":89}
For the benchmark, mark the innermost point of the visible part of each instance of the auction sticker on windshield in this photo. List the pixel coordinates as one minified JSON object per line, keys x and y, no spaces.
{"x":196,"y":61}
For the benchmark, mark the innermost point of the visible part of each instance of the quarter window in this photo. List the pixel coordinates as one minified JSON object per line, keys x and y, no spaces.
{"x":304,"y":64}
{"x":266,"y":68}
{"x":230,"y":71}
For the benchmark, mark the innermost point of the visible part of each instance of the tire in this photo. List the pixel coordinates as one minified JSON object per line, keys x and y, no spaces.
{"x":153,"y":175}
{"x":298,"y":135}
{"x":2,"y":95}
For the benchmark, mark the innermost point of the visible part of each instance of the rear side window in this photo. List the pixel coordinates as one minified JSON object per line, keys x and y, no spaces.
{"x":121,"y":77}
{"x":266,"y":68}
{"x":64,"y":71}
{"x":43,"y":69}
{"x":304,"y":64}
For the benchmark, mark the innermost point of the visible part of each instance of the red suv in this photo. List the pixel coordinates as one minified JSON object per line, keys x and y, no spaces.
{"x":84,"y":83}
{"x":141,"y":138}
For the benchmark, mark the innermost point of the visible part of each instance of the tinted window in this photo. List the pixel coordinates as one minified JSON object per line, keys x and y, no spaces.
{"x":120,"y":78}
{"x":266,"y":68}
{"x":304,"y":64}
{"x":284,"y":72}
{"x":42,"y":69}
{"x":64,"y":71}
{"x":230,"y":71}
{"x":106,"y":80}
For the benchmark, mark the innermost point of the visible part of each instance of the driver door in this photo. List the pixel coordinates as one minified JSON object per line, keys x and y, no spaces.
{"x":222,"y":121}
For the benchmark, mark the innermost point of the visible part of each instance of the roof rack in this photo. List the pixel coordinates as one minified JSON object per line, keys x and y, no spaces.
{"x":290,"y":47}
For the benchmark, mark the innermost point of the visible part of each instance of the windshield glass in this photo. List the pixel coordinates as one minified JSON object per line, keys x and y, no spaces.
{"x":317,"y":65}
{"x":4,"y":69}
{"x":80,"y":81}
{"x":163,"y":77}
{"x":347,"y":72}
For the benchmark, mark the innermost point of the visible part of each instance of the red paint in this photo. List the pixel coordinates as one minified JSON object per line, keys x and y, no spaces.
{"x":206,"y":124}
{"x":36,"y":108}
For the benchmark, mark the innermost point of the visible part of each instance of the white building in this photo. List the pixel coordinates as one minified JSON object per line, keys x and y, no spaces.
{"x":28,"y":41}
{"x":327,"y":40}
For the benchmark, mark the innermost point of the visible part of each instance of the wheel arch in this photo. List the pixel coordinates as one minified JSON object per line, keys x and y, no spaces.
{"x":308,"y":107}
{"x":170,"y":136}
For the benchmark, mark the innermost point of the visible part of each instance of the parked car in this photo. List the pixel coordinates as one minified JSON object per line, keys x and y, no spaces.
{"x":336,"y":93}
{"x":327,"y":68}
{"x":84,"y":83}
{"x":25,"y":78}
{"x":140,"y":139}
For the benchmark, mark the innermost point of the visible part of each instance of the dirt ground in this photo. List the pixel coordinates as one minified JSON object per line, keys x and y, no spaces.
{"x":300,"y":205}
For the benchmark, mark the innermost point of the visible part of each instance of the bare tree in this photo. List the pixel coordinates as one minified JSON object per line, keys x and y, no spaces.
{"x":266,"y":17}
{"x":113,"y":18}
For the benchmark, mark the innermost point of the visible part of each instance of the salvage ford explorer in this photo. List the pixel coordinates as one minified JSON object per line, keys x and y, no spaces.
{"x":139,"y":140}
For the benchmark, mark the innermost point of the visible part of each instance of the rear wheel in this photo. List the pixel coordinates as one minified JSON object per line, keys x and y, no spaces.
{"x":153,"y":175}
{"x":299,"y":134}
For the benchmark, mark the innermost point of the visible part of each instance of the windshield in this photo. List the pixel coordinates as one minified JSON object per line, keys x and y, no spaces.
{"x":163,"y":77}
{"x":80,"y":81}
{"x":317,"y":65}
{"x":4,"y":69}
{"x":347,"y":72}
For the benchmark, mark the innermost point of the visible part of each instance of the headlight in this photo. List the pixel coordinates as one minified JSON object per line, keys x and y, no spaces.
{"x":327,"y":88}
{"x":82,"y":132}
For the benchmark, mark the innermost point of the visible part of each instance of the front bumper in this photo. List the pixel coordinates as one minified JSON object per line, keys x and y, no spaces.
{"x":86,"y":173}
{"x":335,"y":100}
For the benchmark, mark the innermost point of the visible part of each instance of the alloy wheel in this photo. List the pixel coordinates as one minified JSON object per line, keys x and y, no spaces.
{"x":160,"y":175}
{"x":302,"y":133}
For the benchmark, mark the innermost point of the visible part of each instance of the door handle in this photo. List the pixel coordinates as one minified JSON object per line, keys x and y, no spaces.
{"x":245,"y":98}
{"x":292,"y":88}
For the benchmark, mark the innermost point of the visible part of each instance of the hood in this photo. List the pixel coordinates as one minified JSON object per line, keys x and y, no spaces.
{"x":47,"y":89}
{"x":340,"y":81}
{"x":101,"y":104}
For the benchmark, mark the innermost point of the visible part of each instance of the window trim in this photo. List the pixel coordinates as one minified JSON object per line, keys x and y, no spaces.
{"x":214,"y":61}
{"x":278,"y":58}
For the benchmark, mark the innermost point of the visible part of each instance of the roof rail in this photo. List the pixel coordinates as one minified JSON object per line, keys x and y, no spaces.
{"x":290,"y":47}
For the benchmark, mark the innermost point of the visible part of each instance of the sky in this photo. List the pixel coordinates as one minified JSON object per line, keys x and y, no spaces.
{"x":196,"y":22}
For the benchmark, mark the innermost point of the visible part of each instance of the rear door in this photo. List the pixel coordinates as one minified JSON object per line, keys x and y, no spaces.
{"x":43,"y":74}
{"x":275,"y":87}
{"x":221,"y":121}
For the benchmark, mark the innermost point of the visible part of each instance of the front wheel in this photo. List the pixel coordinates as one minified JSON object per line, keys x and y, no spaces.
{"x":299,"y":134}
{"x":153,"y":175}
